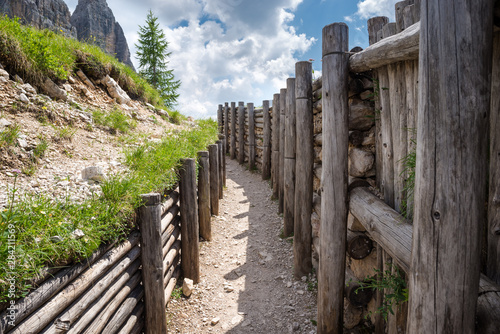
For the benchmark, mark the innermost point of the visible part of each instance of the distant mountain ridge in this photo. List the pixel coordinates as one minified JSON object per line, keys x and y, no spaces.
{"x":91,"y":18}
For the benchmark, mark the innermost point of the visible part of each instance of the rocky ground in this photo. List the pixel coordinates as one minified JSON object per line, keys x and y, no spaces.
{"x":74,"y":141}
{"x":247,"y":280}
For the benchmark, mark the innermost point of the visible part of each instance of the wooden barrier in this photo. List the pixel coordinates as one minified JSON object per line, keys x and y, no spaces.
{"x":232,"y":150}
{"x":266,"y":154}
{"x":204,"y":196}
{"x":220,"y":158}
{"x":281,"y":174}
{"x":333,"y":227}
{"x":226,"y":129}
{"x":213,"y":154}
{"x":289,"y":160}
{"x":220,"y":119}
{"x":251,"y":136}
{"x":241,"y":132}
{"x":275,"y":146}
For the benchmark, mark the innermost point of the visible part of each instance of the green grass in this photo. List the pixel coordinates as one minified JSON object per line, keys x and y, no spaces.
{"x":116,"y":120}
{"x":8,"y":136}
{"x":36,"y":220}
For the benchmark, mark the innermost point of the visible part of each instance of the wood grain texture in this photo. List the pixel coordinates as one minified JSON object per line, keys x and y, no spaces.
{"x":275,"y":144}
{"x":226,"y":128}
{"x":455,"y":47}
{"x":204,"y":196}
{"x":241,"y":132}
{"x":220,"y":154}
{"x":266,"y":154}
{"x":289,"y":160}
{"x":251,"y":136}
{"x":213,"y":152}
{"x":302,"y":251}
{"x":281,"y":170}
{"x":220,"y":120}
{"x":222,"y":138}
{"x":334,"y":180}
{"x":232,"y":149}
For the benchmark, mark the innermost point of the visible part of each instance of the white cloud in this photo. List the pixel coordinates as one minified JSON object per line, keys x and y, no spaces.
{"x":371,"y":8}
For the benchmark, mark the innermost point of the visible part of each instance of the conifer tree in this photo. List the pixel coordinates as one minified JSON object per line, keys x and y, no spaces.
{"x":152,"y":55}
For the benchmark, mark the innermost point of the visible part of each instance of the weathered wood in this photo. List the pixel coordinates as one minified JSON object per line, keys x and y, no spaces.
{"x":220,"y":121}
{"x":251,"y":137}
{"x":169,"y":216}
{"x":103,"y":317}
{"x":49,"y":288}
{"x":126,"y":267}
{"x":355,"y":295}
{"x":400,"y":47}
{"x":488,"y":304}
{"x":302,"y":251}
{"x":168,"y":275}
{"x":172,"y":283}
{"x":374,"y":25}
{"x":138,"y":327}
{"x":451,"y":174}
{"x":171,"y":250}
{"x":204,"y":196}
{"x":289,"y":160}
{"x":223,"y":139}
{"x":213,"y":152}
{"x":171,"y":234}
{"x":409,"y":18}
{"x":266,"y":154}
{"x":40,"y":318}
{"x":281,"y":170}
{"x":232,"y":150}
{"x":221,"y":168}
{"x":241,"y":133}
{"x":379,"y":321}
{"x":275,"y":146}
{"x":173,"y":199}
{"x":226,"y":128}
{"x":359,"y":245}
{"x":334,"y":179}
{"x":124,"y":311}
{"x":400,"y":6}
{"x":493,"y":228}
{"x":152,"y":262}
{"x":189,"y":221}
{"x":133,"y":319}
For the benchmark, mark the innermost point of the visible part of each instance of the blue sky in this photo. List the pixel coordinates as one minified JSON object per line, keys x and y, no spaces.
{"x":242,"y":50}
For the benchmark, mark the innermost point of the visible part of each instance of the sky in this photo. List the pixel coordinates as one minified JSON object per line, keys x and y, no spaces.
{"x":242,"y":50}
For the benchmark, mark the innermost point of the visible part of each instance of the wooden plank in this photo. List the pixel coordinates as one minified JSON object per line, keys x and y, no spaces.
{"x":133,"y":319}
{"x":451,"y":173}
{"x":334,"y":179}
{"x":220,"y":121}
{"x":169,"y":216}
{"x":223,"y":139}
{"x":190,"y":229}
{"x":275,"y":146}
{"x":226,"y":128}
{"x":172,"y":199}
{"x":232,"y":150}
{"x":172,"y":283}
{"x":302,"y":251}
{"x":289,"y":160}
{"x":400,"y":47}
{"x":124,"y":311}
{"x":241,"y":133}
{"x":204,"y":196}
{"x":251,"y":137}
{"x":281,"y":170}
{"x":400,"y":6}
{"x":266,"y":154}
{"x":213,"y":153}
{"x":220,"y":172}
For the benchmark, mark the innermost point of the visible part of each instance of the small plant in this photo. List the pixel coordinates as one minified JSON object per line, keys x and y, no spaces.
{"x":41,"y":148}
{"x":395,"y":283}
{"x":177,"y":293}
{"x":409,"y":162}
{"x":8,"y":136}
{"x":65,"y":133}
{"x":115,"y":120}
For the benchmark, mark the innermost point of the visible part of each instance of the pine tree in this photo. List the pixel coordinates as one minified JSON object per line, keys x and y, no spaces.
{"x":152,"y":55}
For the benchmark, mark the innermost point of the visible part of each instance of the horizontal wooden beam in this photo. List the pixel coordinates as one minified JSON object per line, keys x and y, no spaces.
{"x":399,"y":47}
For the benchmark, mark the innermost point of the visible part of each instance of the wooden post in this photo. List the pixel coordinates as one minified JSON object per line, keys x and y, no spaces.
{"x":213,"y":157}
{"x":289,"y":160}
{"x":451,"y":172}
{"x":223,"y":161}
{"x":334,"y":179}
{"x":281,"y":169}
{"x":241,"y":132}
{"x":152,"y":263}
{"x":276,"y":145}
{"x":251,"y":137}
{"x":226,"y":129}
{"x":266,"y":154}
{"x":204,"y":196}
{"x":302,"y":240}
{"x":399,"y":7}
{"x":232,"y":150}
{"x":220,"y":121}
{"x":221,"y":170}
{"x":190,"y":228}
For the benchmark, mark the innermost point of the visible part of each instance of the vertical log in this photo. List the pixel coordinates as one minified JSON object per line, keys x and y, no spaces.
{"x":213,"y":157}
{"x":399,"y":7}
{"x":375,"y":24}
{"x":289,"y":160}
{"x":379,"y":294}
{"x":232,"y":150}
{"x":281,"y":173}
{"x":190,"y":228}
{"x":241,"y":132}
{"x":493,"y":230}
{"x":276,"y":145}
{"x":334,"y":179}
{"x":204,"y":196}
{"x":266,"y":154}
{"x":223,"y":139}
{"x":220,"y":121}
{"x":417,"y":9}
{"x":226,"y":129}
{"x":221,"y":171}
{"x":152,"y":263}
{"x":251,"y":137}
{"x":302,"y":264}
{"x":455,"y":47}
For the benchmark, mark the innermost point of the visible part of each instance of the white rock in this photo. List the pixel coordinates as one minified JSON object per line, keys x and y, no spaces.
{"x":30,"y":89}
{"x":4,"y":123}
{"x":85,"y":79}
{"x":53,"y":90}
{"x":23,"y":98}
{"x":77,"y":234}
{"x":115,"y":90}
{"x":215,"y":321}
{"x":360,"y":162}
{"x":56,"y":239}
{"x":67,"y":88}
{"x":22,"y":142}
{"x":4,"y":74}
{"x":93,"y":173}
{"x":187,"y":287}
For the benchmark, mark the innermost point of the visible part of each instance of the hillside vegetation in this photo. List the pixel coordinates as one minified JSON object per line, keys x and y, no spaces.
{"x":48,"y":210}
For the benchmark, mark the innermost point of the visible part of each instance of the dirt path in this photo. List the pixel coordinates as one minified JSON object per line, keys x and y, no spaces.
{"x":246,"y":270}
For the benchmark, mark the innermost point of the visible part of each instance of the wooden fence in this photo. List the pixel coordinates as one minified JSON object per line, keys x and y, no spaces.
{"x":116,"y":290}
{"x":342,"y":160}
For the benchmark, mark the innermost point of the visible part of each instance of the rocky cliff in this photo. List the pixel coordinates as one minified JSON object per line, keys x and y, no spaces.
{"x":95,"y":22}
{"x":43,"y":14}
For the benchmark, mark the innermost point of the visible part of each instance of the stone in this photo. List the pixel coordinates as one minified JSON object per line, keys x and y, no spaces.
{"x":187,"y":287}
{"x":28,"y":88}
{"x":115,"y":90}
{"x":361,"y":115}
{"x":18,"y":79}
{"x":53,"y":90}
{"x":360,"y":162}
{"x":93,"y":173}
{"x":85,"y":80}
{"x":22,"y":142}
{"x":295,"y":326}
{"x":23,"y":98}
{"x":4,"y":123}
{"x":352,"y":315}
{"x":71,"y":80}
{"x":78,"y":234}
{"x":215,"y":321}
{"x":67,"y":87}
{"x":56,"y":239}
{"x":4,"y":74}
{"x":366,"y":95}
{"x":354,"y":224}
{"x":162,"y":112}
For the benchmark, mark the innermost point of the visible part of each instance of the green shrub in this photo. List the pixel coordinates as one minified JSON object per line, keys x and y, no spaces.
{"x":8,"y":136}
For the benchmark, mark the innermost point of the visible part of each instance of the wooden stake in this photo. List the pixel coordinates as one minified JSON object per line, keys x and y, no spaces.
{"x":289,"y":160}
{"x":213,"y":151}
{"x":241,"y":133}
{"x":226,"y":128}
{"x":220,"y":121}
{"x":221,"y":168}
{"x":302,"y":241}
{"x":455,"y":47}
{"x":222,"y":138}
{"x":275,"y":163}
{"x":232,"y":150}
{"x":266,"y":154}
{"x":251,"y":137}
{"x":204,"y":196}
{"x":190,"y":229}
{"x":281,"y":170}
{"x":334,"y":179}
